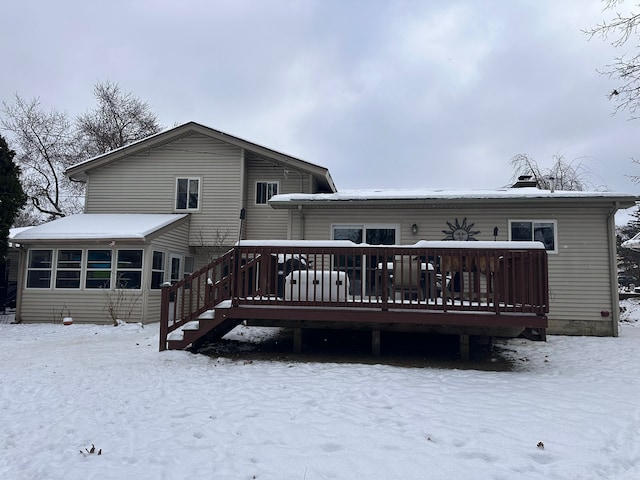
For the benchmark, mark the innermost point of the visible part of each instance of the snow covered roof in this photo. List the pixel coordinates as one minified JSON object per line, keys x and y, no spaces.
{"x":99,"y":226}
{"x":14,"y":231}
{"x":633,"y":243}
{"x":421,"y":195}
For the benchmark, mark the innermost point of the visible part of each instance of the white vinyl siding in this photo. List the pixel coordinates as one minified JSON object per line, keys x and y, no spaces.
{"x":263,"y":222}
{"x":579,"y":274}
{"x":147,"y":183}
{"x":175,"y":240}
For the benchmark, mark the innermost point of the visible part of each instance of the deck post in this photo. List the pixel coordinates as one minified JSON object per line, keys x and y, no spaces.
{"x":297,"y":340}
{"x":164,"y":315}
{"x":375,"y":342}
{"x":465,"y":351}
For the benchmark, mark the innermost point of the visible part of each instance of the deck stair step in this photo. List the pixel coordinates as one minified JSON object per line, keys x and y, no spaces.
{"x":208,"y":315}
{"x":211,"y":324}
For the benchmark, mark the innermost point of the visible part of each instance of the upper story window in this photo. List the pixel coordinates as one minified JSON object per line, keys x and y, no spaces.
{"x":544,"y":231}
{"x":187,"y":193}
{"x":264,"y":191}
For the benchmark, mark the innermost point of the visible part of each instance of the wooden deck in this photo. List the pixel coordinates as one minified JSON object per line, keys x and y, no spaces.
{"x":465,"y":288}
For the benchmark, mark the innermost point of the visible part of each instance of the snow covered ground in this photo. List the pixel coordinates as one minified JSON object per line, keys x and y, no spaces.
{"x":566,"y":409}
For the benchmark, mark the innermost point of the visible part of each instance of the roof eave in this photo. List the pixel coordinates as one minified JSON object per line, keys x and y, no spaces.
{"x":80,"y":170}
{"x":620,"y":202}
{"x":106,"y":241}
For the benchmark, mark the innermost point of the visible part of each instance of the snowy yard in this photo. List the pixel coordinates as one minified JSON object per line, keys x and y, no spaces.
{"x":566,"y":409}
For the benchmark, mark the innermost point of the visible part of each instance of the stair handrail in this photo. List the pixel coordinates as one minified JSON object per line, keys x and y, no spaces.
{"x":187,"y":299}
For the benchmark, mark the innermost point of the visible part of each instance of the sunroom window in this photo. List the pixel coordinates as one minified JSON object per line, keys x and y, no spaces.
{"x":39,"y":269}
{"x":68,"y":268}
{"x":98,"y":269}
{"x":129,"y":269}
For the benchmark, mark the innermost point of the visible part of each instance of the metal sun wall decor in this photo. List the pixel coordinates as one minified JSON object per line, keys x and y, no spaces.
{"x":460,"y":231}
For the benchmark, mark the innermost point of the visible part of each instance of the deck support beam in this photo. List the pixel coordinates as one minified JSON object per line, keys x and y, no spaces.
{"x":465,"y":349}
{"x":297,"y":340}
{"x":375,"y":342}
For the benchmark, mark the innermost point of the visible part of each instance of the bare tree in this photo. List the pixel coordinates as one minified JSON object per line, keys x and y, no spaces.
{"x":45,"y":148}
{"x":629,"y":260}
{"x":626,"y":67}
{"x":119,"y":119}
{"x":562,"y":175}
{"x":47,"y":143}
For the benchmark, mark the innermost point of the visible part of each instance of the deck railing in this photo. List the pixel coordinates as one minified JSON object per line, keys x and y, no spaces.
{"x":492,"y":277}
{"x":197,"y":293}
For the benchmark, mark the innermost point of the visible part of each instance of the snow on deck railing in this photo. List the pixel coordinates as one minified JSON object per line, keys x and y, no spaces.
{"x":430,"y":244}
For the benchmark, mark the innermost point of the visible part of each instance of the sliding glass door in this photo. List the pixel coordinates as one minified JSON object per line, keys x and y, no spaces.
{"x":362,"y":270}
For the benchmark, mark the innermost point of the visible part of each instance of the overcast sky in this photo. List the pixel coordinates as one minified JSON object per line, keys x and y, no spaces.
{"x":384,"y":93}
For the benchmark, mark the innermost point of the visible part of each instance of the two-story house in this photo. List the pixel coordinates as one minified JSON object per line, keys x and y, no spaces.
{"x":165,"y":206}
{"x":155,"y":210}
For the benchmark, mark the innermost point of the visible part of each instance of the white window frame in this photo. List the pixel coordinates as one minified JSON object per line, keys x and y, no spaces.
{"x":268,"y":190}
{"x":155,"y":270}
{"x":175,"y":275}
{"x":199,"y":200}
{"x":121,"y":269}
{"x":67,"y":268}
{"x":56,"y":266}
{"x":533,"y":223}
{"x":188,"y":265}
{"x":88,"y":269}
{"x":368,"y":226}
{"x":30,"y":269}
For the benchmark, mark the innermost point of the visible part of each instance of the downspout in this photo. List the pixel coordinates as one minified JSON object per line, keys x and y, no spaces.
{"x":243,"y":191}
{"x":22,"y":269}
{"x":301,"y":222}
{"x":613,"y":273}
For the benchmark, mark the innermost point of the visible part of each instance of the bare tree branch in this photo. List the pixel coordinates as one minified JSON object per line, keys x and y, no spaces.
{"x":562,"y":175}
{"x":45,"y":143}
{"x":625,"y":68}
{"x":119,"y":119}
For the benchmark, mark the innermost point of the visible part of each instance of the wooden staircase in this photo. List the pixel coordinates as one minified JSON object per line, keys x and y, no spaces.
{"x":211,"y":325}
{"x":201,"y":302}
{"x":194,"y":309}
